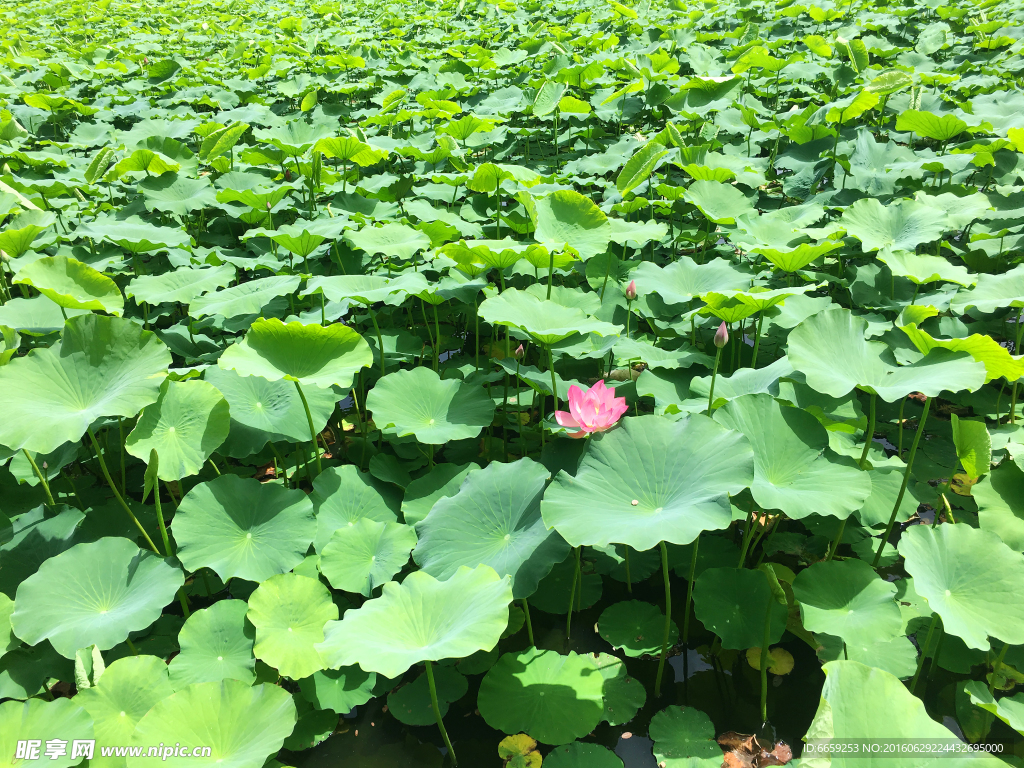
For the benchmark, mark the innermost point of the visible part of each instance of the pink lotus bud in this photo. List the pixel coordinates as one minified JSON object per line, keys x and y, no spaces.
{"x":631,"y":290}
{"x":268,"y":205}
{"x":45,"y":465}
{"x":520,"y":352}
{"x":722,"y":336}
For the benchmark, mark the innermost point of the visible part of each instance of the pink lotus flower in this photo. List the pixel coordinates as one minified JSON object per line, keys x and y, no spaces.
{"x":631,"y":290}
{"x":595,"y":410}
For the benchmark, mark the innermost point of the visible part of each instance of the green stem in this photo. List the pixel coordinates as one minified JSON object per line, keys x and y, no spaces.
{"x":869,"y":434}
{"x":714,"y":373}
{"x":120,"y":499}
{"x":747,"y":536}
{"x":380,"y":341}
{"x":924,"y":650}
{"x":437,"y":712}
{"x":668,"y":621}
{"x":572,"y":598}
{"x":764,"y":662}
{"x":41,"y":476}
{"x":689,"y":591}
{"x":757,"y":340}
{"x":629,"y":580}
{"x":312,"y":429}
{"x":437,"y":333}
{"x":131,"y":646}
{"x":529,"y":624}
{"x":155,"y":459}
{"x":551,"y":367}
{"x":120,"y":434}
{"x":899,"y":423}
{"x":551,"y":272}
{"x":906,"y":479}
{"x":838,"y":540}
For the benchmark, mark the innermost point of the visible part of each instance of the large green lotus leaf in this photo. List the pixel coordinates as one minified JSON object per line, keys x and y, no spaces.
{"x":289,"y":613}
{"x":366,"y":289}
{"x":791,"y":471}
{"x":419,"y":402}
{"x":1009,"y":709}
{"x":71,"y":284}
{"x":897,"y":657}
{"x":361,"y":557}
{"x":901,"y":226}
{"x":37,"y":316}
{"x":421,"y":619}
{"x":684,"y":737}
{"x":636,"y":627}
{"x":720,"y":203}
{"x":340,"y":690}
{"x":126,"y":691}
{"x":247,"y":298}
{"x":425,"y":491}
{"x":393,"y":240}
{"x":924,"y":268}
{"x":745,"y":381}
{"x":970,"y":578}
{"x":623,"y":695}
{"x":135,"y":235}
{"x":308,"y":354}
{"x":94,"y":594}
{"x":861,"y":702}
{"x":651,"y":480}
{"x":546,"y":321}
{"x":732,"y":603}
{"x":104,"y":366}
{"x":794,"y":259}
{"x":581,"y":754}
{"x":831,"y":350}
{"x":994,"y":356}
{"x":8,"y":640}
{"x":554,"y":699}
{"x":186,"y":424}
{"x":33,"y":537}
{"x":177,"y":194}
{"x":885,"y":487}
{"x":1000,"y":499}
{"x":303,"y":236}
{"x":992,"y":292}
{"x":344,"y":495}
{"x":755,"y":299}
{"x":411,"y":703}
{"x":180,"y":286}
{"x":242,"y":725}
{"x":263,"y":410}
{"x":567,"y":218}
{"x":243,"y":528}
{"x":685,"y":279}
{"x":493,"y":519}
{"x":216,"y":644}
{"x":848,"y":599}
{"x":43,"y":721}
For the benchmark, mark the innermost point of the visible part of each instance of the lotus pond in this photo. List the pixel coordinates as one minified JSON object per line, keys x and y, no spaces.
{"x":511,"y":383}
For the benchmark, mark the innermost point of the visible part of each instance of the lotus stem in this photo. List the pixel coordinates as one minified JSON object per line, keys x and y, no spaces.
{"x":869,"y":434}
{"x":118,"y":496}
{"x":899,"y":422}
{"x":747,"y":536}
{"x":629,"y":580}
{"x":668,"y":620}
{"x":380,"y":341}
{"x":120,"y":445}
{"x":154,"y":461}
{"x":437,"y":712}
{"x":836,"y":542}
{"x":906,"y":479}
{"x":551,"y":367}
{"x":312,"y":429}
{"x":764,"y":661}
{"x":1013,"y":392}
{"x":714,"y":373}
{"x":757,"y":340}
{"x":924,"y":650}
{"x":551,"y":272}
{"x":689,"y":591}
{"x":572,"y":597}
{"x":437,"y":333}
{"x":42,"y":478}
{"x":529,"y":624}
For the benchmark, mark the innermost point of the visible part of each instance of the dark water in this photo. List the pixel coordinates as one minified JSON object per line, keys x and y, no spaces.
{"x":723,"y":686}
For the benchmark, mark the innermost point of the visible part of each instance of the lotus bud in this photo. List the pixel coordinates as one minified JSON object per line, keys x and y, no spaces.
{"x":631,"y":290}
{"x":45,"y":465}
{"x":268,"y":206}
{"x":520,"y":352}
{"x":722,"y":336}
